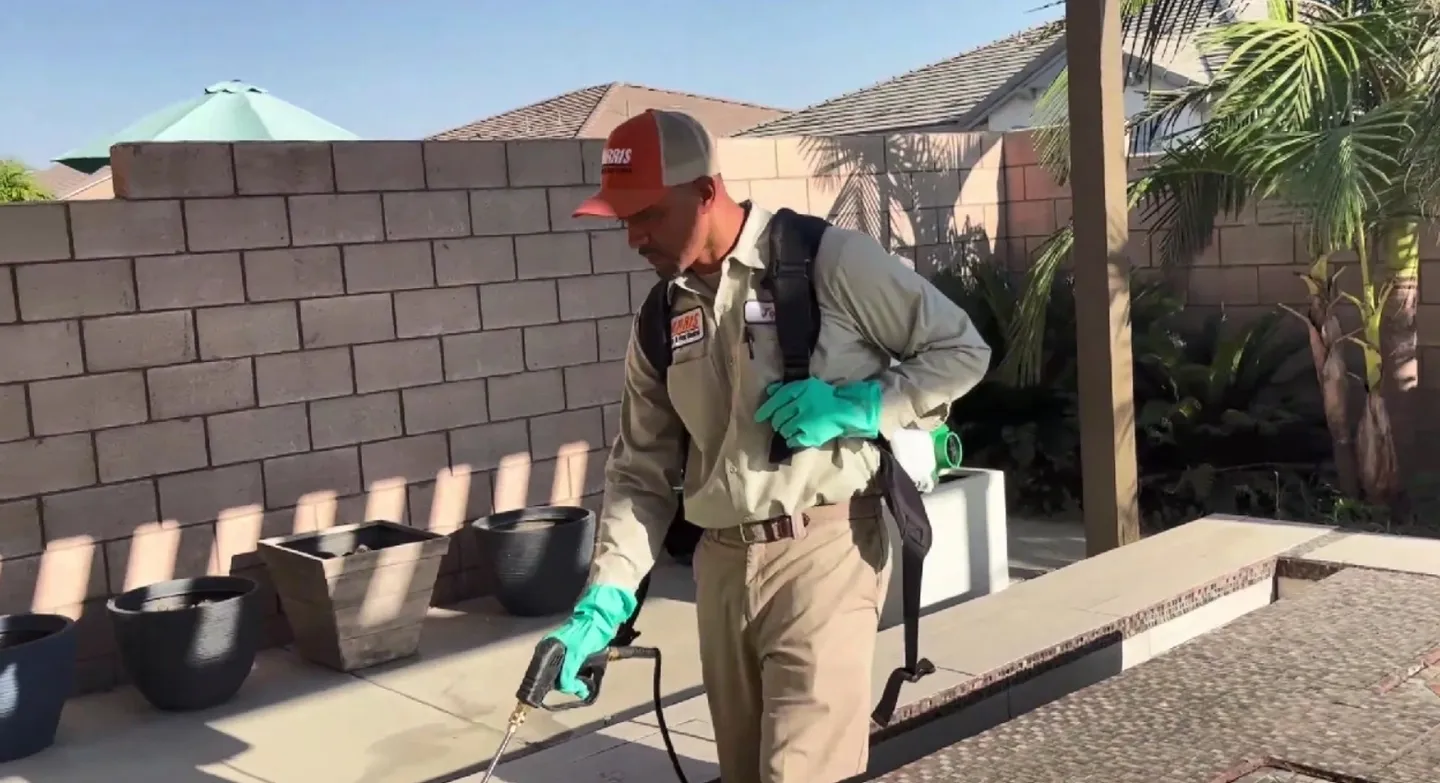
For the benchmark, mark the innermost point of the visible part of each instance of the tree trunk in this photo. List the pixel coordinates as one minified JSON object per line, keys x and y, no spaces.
{"x":1399,"y":339}
{"x":1378,"y":472}
{"x":1323,"y":327}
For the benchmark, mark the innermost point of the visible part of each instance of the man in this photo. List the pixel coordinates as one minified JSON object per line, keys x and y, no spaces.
{"x":787,"y":612}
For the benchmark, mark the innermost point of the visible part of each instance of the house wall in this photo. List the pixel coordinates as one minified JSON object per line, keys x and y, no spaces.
{"x":259,"y":339}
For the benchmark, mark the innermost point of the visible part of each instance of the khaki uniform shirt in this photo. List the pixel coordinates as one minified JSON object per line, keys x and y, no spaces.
{"x":872,"y":308}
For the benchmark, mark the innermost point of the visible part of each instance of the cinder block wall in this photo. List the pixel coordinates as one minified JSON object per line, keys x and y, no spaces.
{"x":259,"y":339}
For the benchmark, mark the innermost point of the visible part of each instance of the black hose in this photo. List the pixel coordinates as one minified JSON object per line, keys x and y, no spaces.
{"x":629,"y":651}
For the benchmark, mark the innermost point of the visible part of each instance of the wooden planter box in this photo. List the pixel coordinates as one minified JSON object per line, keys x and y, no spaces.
{"x":355,"y":595}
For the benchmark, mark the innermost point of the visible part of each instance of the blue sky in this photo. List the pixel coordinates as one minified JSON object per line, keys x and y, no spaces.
{"x":77,"y":70}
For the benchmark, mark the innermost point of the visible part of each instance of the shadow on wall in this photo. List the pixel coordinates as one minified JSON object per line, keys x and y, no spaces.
{"x":937,"y":199}
{"x":74,"y":576}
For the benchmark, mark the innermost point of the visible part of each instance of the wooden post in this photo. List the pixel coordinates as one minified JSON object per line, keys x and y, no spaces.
{"x":1102,"y":273}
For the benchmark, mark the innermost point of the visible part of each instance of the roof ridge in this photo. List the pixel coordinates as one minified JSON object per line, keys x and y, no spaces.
{"x":1033,"y":31}
{"x":701,"y":97}
{"x":603,"y":89}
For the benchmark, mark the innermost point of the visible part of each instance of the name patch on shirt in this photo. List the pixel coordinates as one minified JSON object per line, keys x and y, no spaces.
{"x":687,"y":328}
{"x":757,"y":312}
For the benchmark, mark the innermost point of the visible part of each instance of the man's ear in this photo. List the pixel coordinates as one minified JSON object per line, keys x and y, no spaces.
{"x":707,"y":189}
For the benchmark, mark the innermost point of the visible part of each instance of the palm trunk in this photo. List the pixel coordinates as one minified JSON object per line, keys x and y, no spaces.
{"x":1379,"y":480}
{"x":1399,"y":338}
{"x":1323,"y":327}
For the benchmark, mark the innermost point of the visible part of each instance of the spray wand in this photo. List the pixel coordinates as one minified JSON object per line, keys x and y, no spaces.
{"x":541,"y":678}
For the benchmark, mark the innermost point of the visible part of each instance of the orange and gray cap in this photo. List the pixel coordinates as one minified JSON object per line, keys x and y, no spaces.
{"x":644,"y":157}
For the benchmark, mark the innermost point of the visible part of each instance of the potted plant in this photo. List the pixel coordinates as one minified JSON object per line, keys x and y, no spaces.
{"x":188,"y":644}
{"x":355,"y":595}
{"x":37,"y":675}
{"x":540,"y":556}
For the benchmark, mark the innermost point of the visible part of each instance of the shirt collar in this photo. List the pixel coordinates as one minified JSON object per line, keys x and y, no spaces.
{"x":747,"y":248}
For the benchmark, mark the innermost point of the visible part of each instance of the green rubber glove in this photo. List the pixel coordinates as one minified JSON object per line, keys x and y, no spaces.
{"x":597,"y":616}
{"x":811,"y":413}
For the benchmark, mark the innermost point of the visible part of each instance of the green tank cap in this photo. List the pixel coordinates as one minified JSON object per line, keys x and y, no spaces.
{"x":948,"y":451}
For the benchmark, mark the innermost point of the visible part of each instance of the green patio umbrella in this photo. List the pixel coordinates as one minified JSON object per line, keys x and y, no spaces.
{"x":228,"y":111}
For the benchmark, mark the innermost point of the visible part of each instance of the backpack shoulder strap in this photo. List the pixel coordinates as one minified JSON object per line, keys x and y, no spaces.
{"x":794,"y":243}
{"x":652,"y":327}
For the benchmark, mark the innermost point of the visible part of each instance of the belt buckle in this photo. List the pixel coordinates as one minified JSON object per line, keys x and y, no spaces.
{"x":745,"y":536}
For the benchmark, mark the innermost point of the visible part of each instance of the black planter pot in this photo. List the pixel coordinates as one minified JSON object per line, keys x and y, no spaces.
{"x":188,"y":644}
{"x":540,"y":556}
{"x":37,"y":675}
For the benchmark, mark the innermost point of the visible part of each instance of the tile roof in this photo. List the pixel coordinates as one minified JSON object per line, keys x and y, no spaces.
{"x":935,"y":94}
{"x":591,"y":112}
{"x":62,"y":181}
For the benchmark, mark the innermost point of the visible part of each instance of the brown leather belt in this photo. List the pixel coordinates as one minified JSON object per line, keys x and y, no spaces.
{"x":794,"y":526}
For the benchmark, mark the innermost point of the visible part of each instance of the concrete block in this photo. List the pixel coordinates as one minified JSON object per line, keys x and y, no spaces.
{"x":268,"y":168}
{"x":9,"y":308}
{"x":560,"y":345}
{"x":258,"y":433}
{"x":74,"y":289}
{"x":433,"y":214}
{"x":303,"y":375}
{"x":747,"y":158}
{"x":509,"y":211}
{"x":552,"y":255}
{"x":201,"y":388}
{"x":612,"y":423}
{"x":395,"y":365}
{"x":336,"y":219}
{"x":549,"y":434}
{"x":548,"y":162}
{"x":356,"y":419}
{"x":378,"y":165}
{"x":486,"y":446}
{"x":170,"y":282}
{"x":204,"y":495}
{"x":436,"y":311}
{"x":120,"y":229}
{"x":293,"y":273}
{"x":640,"y":285}
{"x":288,"y":479}
{"x":482,"y":354}
{"x":594,"y":296}
{"x":475,"y":260}
{"x":970,"y":539}
{"x":43,"y":465}
{"x":563,"y":202}
{"x":594,"y":384}
{"x":613,"y":335}
{"x":14,"y":413}
{"x":388,"y":266}
{"x":163,"y":551}
{"x":88,"y":402}
{"x":172,"y":170}
{"x":610,"y":251}
{"x":465,"y":164}
{"x":20,"y":534}
{"x":247,"y":330}
{"x":590,"y":151}
{"x":444,"y":406}
{"x":44,"y":350}
{"x":34,"y":232}
{"x":245,"y":223}
{"x":346,"y":320}
{"x":505,"y":305}
{"x":774,"y":194}
{"x":102,"y":513}
{"x":417,"y":458}
{"x":142,"y":450}
{"x":123,"y":342}
{"x":526,"y":394}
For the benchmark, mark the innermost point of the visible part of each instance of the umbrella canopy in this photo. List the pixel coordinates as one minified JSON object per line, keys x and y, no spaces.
{"x":228,"y":111}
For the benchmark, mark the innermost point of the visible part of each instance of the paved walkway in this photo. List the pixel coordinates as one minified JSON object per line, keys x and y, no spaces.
{"x":1335,"y":684}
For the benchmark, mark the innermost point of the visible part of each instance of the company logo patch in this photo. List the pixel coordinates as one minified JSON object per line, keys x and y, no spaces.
{"x":687,"y":328}
{"x":757,"y":312}
{"x":617,"y":156}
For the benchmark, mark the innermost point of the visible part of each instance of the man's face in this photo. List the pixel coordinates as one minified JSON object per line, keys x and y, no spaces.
{"x":671,"y":234}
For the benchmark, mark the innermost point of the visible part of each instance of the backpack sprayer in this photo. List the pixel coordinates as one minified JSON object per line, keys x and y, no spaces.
{"x":540,"y":679}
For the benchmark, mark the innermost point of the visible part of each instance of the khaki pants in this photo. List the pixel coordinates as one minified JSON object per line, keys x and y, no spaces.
{"x":787,"y":642}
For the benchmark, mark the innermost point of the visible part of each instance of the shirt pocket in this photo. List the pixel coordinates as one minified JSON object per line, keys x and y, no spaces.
{"x":764,"y":364}
{"x":690,"y":380}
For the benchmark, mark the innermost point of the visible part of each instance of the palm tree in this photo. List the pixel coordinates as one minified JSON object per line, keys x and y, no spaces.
{"x":1330,"y":107}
